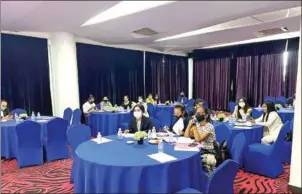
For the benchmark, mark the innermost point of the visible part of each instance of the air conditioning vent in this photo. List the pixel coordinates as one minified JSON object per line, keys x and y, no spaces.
{"x":272,"y":31}
{"x":143,"y":33}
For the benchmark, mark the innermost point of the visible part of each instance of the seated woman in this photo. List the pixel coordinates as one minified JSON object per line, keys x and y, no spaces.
{"x":290,"y":102}
{"x":180,"y":120}
{"x":197,"y":104}
{"x":105,"y":104}
{"x":89,"y":106}
{"x":203,"y":131}
{"x":150,"y":99}
{"x":156,"y":99}
{"x":127,"y":104}
{"x":139,"y":122}
{"x":271,"y":121}
{"x":5,"y":113}
{"x":141,"y":102}
{"x":243,"y":109}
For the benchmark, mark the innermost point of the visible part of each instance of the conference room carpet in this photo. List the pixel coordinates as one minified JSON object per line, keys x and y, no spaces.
{"x":53,"y":177}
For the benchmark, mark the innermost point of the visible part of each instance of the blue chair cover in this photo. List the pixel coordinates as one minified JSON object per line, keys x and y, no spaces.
{"x":269,"y":98}
{"x":164,"y":118}
{"x":256,"y":113}
{"x":191,"y":103}
{"x":238,"y":147}
{"x":222,"y":178}
{"x":77,"y":134}
{"x":98,"y":106}
{"x":29,"y":145}
{"x":222,"y":133}
{"x":232,"y":106}
{"x":56,"y":144}
{"x":67,"y":114}
{"x":281,"y":100}
{"x":266,"y":159}
{"x":150,"y":109}
{"x":287,"y":147}
{"x":156,"y":123}
{"x":18,"y":111}
{"x":76,"y":117}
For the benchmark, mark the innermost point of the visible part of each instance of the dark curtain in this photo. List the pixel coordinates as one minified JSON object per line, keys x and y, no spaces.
{"x":166,"y":75}
{"x":212,"y":81}
{"x":112,"y":72}
{"x":292,"y":67}
{"x":25,"y":73}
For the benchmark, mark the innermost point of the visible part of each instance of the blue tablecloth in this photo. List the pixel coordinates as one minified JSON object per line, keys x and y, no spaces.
{"x":9,"y":137}
{"x":107,"y":122}
{"x":285,"y":114}
{"x":116,"y":167}
{"x":252,"y":135}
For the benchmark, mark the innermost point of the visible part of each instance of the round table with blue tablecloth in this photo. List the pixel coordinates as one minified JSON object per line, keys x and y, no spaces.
{"x":9,"y":136}
{"x":285,"y":114}
{"x":107,"y":122}
{"x":116,"y":167}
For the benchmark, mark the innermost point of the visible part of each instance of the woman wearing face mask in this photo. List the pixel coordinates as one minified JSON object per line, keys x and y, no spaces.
{"x":203,"y":131}
{"x":271,"y":121}
{"x":89,"y":106}
{"x":139,"y":122}
{"x":141,"y":102}
{"x":182,"y":98}
{"x":5,"y":113}
{"x":243,"y":110}
{"x":127,"y":104}
{"x":180,"y":120}
{"x":106,"y":105}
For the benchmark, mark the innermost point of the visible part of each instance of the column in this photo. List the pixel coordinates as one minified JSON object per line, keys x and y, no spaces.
{"x":63,"y":72}
{"x":295,"y":168}
{"x":190,"y":77}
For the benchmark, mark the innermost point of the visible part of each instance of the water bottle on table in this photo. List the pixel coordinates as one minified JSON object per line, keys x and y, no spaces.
{"x":160,"y":146}
{"x":153,"y":136}
{"x":33,"y":116}
{"x":99,"y":137}
{"x":38,"y":115}
{"x":120,"y":134}
{"x":149,"y":134}
{"x":16,"y":117}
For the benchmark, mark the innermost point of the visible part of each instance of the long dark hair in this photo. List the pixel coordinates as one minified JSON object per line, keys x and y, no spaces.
{"x":207,"y":113}
{"x":182,"y":109}
{"x":140,"y":107}
{"x":245,"y":108}
{"x":270,"y":108}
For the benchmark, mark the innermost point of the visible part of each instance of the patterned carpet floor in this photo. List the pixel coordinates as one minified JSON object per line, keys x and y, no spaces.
{"x":54,"y":178}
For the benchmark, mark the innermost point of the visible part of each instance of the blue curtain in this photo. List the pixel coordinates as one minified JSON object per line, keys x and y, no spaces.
{"x":25,"y":73}
{"x":112,"y":72}
{"x":166,"y":75}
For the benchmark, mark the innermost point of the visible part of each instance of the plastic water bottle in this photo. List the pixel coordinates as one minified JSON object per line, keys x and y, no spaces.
{"x":38,"y":115}
{"x":99,"y":137}
{"x":149,"y":134}
{"x":160,"y":146}
{"x":259,"y":106}
{"x":33,"y":116}
{"x":16,"y":117}
{"x":120,"y":134}
{"x":153,"y":135}
{"x":128,"y":109}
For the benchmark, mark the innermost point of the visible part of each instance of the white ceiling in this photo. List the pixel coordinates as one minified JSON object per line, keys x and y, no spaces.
{"x":168,"y":20}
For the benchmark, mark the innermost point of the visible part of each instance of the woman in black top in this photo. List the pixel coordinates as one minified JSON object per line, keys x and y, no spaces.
{"x":126,"y":104}
{"x":156,"y":99}
{"x":139,"y":122}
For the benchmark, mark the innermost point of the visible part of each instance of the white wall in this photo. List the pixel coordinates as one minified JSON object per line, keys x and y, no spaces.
{"x":295,"y":168}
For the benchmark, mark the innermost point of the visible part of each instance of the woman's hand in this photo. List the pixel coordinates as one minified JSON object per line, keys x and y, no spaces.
{"x":126,"y":131}
{"x":252,"y":120}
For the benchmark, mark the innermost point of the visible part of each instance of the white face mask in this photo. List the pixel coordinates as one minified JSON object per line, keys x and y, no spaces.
{"x":137,"y":114}
{"x":241,"y":104}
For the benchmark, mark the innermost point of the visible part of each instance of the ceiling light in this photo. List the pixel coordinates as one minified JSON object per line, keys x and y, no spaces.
{"x":284,"y":29}
{"x":262,"y":39}
{"x":124,"y":8}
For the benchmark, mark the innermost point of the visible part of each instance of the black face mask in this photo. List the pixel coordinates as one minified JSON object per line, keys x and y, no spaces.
{"x":182,"y":95}
{"x":91,"y":102}
{"x":200,"y":117}
{"x":105,"y":100}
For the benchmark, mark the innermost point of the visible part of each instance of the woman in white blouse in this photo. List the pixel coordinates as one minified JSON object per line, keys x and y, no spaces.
{"x":271,"y":121}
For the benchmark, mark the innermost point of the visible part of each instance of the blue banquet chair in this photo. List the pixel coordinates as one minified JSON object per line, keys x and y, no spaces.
{"x":77,"y":134}
{"x":191,"y":103}
{"x":232,"y":106}
{"x":287,"y":147}
{"x":18,"y":111}
{"x":76,"y":116}
{"x":150,"y":109}
{"x":269,"y":98}
{"x":222,"y":133}
{"x":56,"y":144}
{"x":67,"y":114}
{"x":281,"y":100}
{"x":256,"y":113}
{"x":266,"y":159}
{"x":156,"y":123}
{"x":237,"y":148}
{"x":29,"y":145}
{"x":221,"y":180}
{"x":164,"y":118}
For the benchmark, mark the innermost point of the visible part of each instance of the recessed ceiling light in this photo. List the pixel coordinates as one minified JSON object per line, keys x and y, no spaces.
{"x":284,"y":29}
{"x":124,"y":8}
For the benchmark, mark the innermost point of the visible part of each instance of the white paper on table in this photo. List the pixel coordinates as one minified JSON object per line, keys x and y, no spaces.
{"x":162,"y":157}
{"x":243,"y":127}
{"x":188,"y":149}
{"x":41,"y":121}
{"x":104,"y":140}
{"x":184,"y":140}
{"x":128,"y":135}
{"x":179,"y":125}
{"x":3,"y":120}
